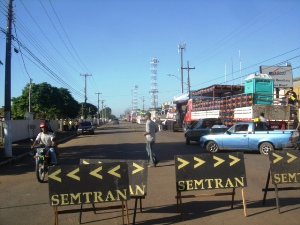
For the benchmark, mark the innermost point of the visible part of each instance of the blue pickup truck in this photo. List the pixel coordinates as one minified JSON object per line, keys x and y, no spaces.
{"x":247,"y":136}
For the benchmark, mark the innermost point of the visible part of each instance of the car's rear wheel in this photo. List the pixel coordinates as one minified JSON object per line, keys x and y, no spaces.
{"x":265,"y":147}
{"x":212,"y":147}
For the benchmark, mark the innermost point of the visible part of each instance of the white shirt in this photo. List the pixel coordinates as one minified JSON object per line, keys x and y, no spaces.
{"x":150,"y":128}
{"x":46,"y":139}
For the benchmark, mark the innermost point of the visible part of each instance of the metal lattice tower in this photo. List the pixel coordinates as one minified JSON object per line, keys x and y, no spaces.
{"x":135,"y":99}
{"x":154,"y":91}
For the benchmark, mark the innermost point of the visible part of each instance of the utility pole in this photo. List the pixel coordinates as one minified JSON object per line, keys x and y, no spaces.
{"x":189,"y":84}
{"x":30,"y":85}
{"x":180,"y":48}
{"x":7,"y":94}
{"x":85,"y":98}
{"x":98,"y":103}
{"x":102,"y":110}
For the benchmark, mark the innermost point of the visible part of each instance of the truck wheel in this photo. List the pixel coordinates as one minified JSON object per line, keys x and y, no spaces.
{"x":212,"y":147}
{"x":265,"y":147}
{"x":187,"y":140}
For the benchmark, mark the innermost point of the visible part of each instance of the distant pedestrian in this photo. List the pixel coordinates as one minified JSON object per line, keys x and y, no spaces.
{"x":264,"y":121}
{"x":296,"y":124}
{"x":151,"y":129}
{"x":65,"y":125}
{"x":292,"y":96}
{"x":159,"y":124}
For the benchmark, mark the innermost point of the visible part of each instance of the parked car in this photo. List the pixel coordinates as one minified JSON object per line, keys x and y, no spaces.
{"x":85,"y":127}
{"x":202,"y":127}
{"x":115,"y":121}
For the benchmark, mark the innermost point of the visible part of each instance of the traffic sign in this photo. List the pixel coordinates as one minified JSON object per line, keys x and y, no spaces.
{"x":210,"y":171}
{"x":137,"y":172}
{"x":285,"y":166}
{"x":80,"y":184}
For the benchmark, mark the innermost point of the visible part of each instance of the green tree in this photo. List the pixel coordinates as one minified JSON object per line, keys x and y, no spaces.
{"x":47,"y":102}
{"x":91,"y":109}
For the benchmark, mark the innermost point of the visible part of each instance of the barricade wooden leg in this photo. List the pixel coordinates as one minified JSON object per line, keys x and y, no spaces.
{"x":134,"y":211}
{"x":232,"y":197}
{"x":277,"y":198}
{"x":244,"y":202}
{"x":180,"y":206}
{"x":177,"y":202}
{"x":93,"y":204}
{"x":126,"y":202}
{"x":123,"y":212}
{"x":80,"y":213}
{"x":141,"y":207}
{"x":55,"y":215}
{"x":266,"y":188}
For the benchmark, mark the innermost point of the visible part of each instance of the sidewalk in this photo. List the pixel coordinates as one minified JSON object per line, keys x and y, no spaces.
{"x":22,"y":148}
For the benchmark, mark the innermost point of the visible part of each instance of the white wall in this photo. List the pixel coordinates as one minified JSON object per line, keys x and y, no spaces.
{"x":26,"y":129}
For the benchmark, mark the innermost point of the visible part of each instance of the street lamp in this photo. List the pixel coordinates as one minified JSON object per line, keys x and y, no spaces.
{"x":172,"y":75}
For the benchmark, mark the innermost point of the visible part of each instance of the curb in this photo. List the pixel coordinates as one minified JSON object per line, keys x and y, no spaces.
{"x":13,"y":159}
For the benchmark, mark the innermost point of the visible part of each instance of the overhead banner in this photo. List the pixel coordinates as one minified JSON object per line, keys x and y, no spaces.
{"x":282,"y":75}
{"x":210,"y":171}
{"x":285,"y":166}
{"x":137,"y":173}
{"x":80,"y":184}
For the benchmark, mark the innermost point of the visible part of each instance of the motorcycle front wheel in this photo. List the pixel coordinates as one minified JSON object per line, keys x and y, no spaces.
{"x":40,"y":171}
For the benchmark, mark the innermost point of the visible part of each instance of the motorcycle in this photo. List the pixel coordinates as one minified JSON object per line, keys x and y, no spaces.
{"x":41,"y":162}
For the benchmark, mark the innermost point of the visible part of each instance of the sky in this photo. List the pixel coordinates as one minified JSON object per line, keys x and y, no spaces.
{"x":112,"y":42}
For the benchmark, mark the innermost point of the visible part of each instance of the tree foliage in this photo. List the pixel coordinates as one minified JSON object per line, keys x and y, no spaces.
{"x":46,"y":102}
{"x":91,"y":110}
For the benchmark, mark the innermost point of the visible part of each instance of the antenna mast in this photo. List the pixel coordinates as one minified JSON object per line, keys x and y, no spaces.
{"x":154,"y":91}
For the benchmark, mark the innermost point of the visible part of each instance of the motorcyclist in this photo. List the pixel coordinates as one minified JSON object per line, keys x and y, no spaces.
{"x":47,"y":138}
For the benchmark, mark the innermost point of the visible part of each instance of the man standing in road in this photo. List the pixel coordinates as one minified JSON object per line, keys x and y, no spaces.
{"x":151,"y":129}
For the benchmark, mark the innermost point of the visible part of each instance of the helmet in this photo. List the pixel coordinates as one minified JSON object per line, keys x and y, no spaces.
{"x":43,"y":124}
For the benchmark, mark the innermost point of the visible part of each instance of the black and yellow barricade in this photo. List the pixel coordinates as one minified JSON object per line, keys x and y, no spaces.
{"x":138,"y":176}
{"x":209,"y":171}
{"x":284,"y":170}
{"x":88,"y":184}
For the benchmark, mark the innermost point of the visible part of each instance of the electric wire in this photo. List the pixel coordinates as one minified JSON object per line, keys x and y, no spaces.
{"x":67,"y":36}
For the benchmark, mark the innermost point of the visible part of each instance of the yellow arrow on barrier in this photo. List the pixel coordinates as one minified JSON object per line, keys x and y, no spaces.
{"x":113,"y":171}
{"x":72,"y":174}
{"x":278,"y":157}
{"x":220,"y":161}
{"x":54,"y":177}
{"x":139,"y":168}
{"x":200,"y":162}
{"x":235,"y":160}
{"x":292,"y":157}
{"x":95,"y":172}
{"x":184,"y":163}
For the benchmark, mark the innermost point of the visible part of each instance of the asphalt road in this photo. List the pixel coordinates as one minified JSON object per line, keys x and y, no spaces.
{"x":25,"y":201}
